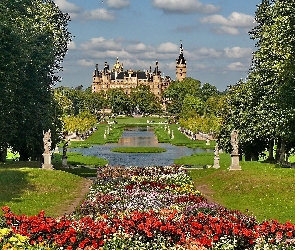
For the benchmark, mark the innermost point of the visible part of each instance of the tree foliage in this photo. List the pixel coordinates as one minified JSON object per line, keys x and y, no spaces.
{"x":33,"y":43}
{"x":177,"y":91}
{"x":144,"y":100}
{"x":263,"y":107}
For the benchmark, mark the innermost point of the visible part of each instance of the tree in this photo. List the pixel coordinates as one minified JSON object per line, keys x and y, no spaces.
{"x":192,"y":106}
{"x":147,"y":102}
{"x":208,"y":91}
{"x":263,"y":107}
{"x":178,"y":90}
{"x":119,"y":101}
{"x":33,"y":43}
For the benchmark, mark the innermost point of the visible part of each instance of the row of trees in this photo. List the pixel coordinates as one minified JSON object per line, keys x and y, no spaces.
{"x":262,"y":108}
{"x":186,"y":99}
{"x":33,"y":43}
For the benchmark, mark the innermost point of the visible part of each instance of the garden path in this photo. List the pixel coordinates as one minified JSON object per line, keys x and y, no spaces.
{"x":80,"y":194}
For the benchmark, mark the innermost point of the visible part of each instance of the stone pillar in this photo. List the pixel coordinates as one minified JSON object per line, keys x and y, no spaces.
{"x":235,"y":162}
{"x":65,"y":161}
{"x":216,"y":157}
{"x":47,"y":161}
{"x":235,"y":156}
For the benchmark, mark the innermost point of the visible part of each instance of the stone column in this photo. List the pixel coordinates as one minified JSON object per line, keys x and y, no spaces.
{"x":216,"y":157}
{"x":47,"y":161}
{"x":235,"y":156}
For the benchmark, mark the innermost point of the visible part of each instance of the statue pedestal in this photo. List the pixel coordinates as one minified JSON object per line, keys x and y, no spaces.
{"x":65,"y":162}
{"x":235,"y":162}
{"x":47,"y":162}
{"x":216,"y":163}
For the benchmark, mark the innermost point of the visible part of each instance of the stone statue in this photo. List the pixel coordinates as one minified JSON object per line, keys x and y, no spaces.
{"x":47,"y":150}
{"x":64,"y":149}
{"x":234,"y":142}
{"x":235,"y":165}
{"x":47,"y":142}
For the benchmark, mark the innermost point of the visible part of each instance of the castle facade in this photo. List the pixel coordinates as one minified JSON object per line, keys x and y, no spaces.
{"x":117,"y":77}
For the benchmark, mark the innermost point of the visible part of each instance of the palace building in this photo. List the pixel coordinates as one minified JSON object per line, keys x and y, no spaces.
{"x":117,"y":77}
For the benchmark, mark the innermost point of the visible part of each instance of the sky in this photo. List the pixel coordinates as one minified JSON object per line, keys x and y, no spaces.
{"x":214,"y":35}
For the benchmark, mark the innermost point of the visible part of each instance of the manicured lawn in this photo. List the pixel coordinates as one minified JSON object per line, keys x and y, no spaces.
{"x":78,"y":159}
{"x":139,"y":150}
{"x":28,"y":190}
{"x":104,"y":134}
{"x":261,"y":189}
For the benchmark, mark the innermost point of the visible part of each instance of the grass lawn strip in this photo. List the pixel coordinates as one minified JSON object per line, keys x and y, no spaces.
{"x":30,"y":190}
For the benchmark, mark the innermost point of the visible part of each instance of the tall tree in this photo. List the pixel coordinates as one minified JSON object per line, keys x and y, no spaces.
{"x":145,"y":101}
{"x":33,"y":43}
{"x":178,"y":90}
{"x":119,"y":101}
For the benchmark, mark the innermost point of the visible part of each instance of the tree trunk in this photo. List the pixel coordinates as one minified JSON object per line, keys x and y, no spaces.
{"x":282,"y":152}
{"x":255,"y":156}
{"x":277,"y":156}
{"x":3,"y":154}
{"x":247,"y":156}
{"x":24,"y":155}
{"x":270,"y":151}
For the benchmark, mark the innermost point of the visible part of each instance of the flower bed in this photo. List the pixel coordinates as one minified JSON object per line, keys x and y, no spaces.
{"x":145,"y":208}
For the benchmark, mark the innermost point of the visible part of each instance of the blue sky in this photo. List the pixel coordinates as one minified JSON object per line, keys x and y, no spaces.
{"x":214,"y":34}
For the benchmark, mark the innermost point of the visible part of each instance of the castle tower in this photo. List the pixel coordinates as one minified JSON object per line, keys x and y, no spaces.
{"x":180,"y":66}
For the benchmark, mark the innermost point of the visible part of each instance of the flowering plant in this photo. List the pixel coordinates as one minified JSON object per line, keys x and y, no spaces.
{"x":145,"y":208}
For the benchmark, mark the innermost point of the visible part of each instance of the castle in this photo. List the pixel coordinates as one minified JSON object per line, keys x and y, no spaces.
{"x":127,"y":80}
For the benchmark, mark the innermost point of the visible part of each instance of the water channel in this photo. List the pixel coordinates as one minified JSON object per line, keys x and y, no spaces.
{"x":136,"y":137}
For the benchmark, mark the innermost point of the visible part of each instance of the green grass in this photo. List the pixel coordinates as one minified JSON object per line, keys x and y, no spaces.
{"x":139,"y":150}
{"x":179,"y":138}
{"x":79,"y":159}
{"x":28,"y":190}
{"x":259,"y":189}
{"x":115,"y":132}
{"x":203,"y":159}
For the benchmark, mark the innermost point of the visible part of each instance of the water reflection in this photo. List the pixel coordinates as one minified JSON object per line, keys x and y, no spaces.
{"x":138,"y":136}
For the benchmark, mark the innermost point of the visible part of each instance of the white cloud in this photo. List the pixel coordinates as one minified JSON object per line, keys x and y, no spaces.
{"x":184,"y":6}
{"x":99,"y":14}
{"x":228,"y":30}
{"x":234,"y":20}
{"x":117,"y":4}
{"x":67,"y":6}
{"x":230,"y":24}
{"x":100,"y":43}
{"x":238,"y":52}
{"x":72,"y":45}
{"x":76,"y":12}
{"x":137,"y":48}
{"x":86,"y":63}
{"x":237,"y":66}
{"x":168,"y":48}
{"x":203,"y":52}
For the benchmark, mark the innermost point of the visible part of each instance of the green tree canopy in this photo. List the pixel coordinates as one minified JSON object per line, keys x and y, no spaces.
{"x":263,"y":107}
{"x":178,"y":90}
{"x":33,"y":43}
{"x":144,"y":100}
